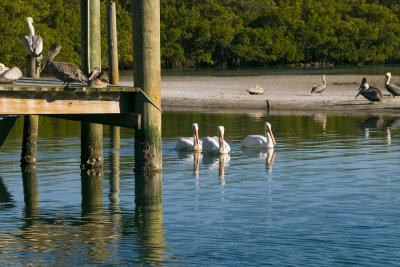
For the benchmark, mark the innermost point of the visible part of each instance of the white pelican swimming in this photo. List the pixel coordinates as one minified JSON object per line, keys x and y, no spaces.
{"x":259,"y":141}
{"x":8,"y":75}
{"x":190,"y":143}
{"x":216,"y":145}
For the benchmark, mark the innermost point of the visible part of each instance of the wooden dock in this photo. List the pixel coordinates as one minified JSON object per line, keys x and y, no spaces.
{"x":113,"y":105}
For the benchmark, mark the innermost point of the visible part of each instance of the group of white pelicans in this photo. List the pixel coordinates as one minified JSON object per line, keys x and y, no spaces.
{"x":218,"y":146}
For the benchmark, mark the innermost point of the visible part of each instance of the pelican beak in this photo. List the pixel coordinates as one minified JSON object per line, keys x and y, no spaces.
{"x":221,"y":139}
{"x":359,"y":91}
{"x":51,"y":51}
{"x":272,"y":136}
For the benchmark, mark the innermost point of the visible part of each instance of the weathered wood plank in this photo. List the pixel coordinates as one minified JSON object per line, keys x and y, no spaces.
{"x":61,"y":102}
{"x":122,"y":120}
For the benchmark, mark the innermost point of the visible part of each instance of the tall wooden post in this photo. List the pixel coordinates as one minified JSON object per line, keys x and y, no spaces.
{"x":147,"y":76}
{"x":91,"y":133}
{"x":112,"y":44}
{"x":31,"y":122}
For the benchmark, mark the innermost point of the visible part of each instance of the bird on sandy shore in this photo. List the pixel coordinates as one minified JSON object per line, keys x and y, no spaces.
{"x":98,"y":79}
{"x":319,"y":88}
{"x":66,"y":72}
{"x":216,"y":145}
{"x":256,"y":90}
{"x":8,"y":76}
{"x":190,"y":144}
{"x":260,"y":141}
{"x":33,"y":43}
{"x":391,"y":88}
{"x":369,"y":92}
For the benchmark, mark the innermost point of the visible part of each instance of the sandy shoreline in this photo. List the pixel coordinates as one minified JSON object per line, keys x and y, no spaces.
{"x":285,"y":93}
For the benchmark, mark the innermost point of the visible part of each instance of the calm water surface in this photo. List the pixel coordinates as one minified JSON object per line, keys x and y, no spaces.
{"x":330,"y":195}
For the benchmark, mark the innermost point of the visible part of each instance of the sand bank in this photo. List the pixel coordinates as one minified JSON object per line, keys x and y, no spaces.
{"x":285,"y":93}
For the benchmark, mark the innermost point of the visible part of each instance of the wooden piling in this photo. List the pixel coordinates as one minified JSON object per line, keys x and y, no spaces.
{"x":147,"y":76}
{"x":31,"y":122}
{"x":91,"y":133}
{"x":112,"y":44}
{"x":31,"y":195}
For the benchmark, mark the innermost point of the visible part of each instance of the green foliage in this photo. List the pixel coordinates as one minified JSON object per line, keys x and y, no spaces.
{"x":221,"y":33}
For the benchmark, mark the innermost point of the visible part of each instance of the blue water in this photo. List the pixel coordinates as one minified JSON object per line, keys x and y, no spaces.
{"x":330,"y":197}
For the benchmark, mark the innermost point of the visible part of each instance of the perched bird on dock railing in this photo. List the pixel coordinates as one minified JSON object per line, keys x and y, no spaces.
{"x":98,"y":79}
{"x":33,"y":43}
{"x":371,"y":93}
{"x":66,"y":72}
{"x":8,"y":75}
{"x":393,"y":89}
{"x":319,"y":88}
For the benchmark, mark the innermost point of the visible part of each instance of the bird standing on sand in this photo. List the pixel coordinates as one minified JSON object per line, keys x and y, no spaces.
{"x":98,"y":79}
{"x":259,"y":141}
{"x":8,"y":75}
{"x":66,"y":72}
{"x":319,"y":88}
{"x":190,"y":143}
{"x":216,"y":145}
{"x":33,"y":43}
{"x":393,"y":89}
{"x":371,"y":93}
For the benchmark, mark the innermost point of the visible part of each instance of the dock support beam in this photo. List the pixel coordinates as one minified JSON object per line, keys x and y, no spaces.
{"x":147,"y":76}
{"x":31,"y":122}
{"x":112,"y":44}
{"x":91,"y":133}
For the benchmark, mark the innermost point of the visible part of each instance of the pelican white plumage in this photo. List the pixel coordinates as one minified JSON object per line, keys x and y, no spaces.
{"x":259,"y":141}
{"x":8,"y":75}
{"x":190,"y":143}
{"x":33,"y":43}
{"x":216,"y":145}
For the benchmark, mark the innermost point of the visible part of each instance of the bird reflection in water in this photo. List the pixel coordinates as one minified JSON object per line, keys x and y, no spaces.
{"x":392,"y":124}
{"x":217,"y":161}
{"x":268,"y":154}
{"x":373,"y":122}
{"x":321,"y":118}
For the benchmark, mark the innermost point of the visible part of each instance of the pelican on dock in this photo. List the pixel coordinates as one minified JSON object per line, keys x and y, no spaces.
{"x":216,"y":145}
{"x":256,"y":90}
{"x":98,"y":79}
{"x":391,"y":88}
{"x":33,"y":43}
{"x":8,"y":76}
{"x":369,"y":92}
{"x":259,"y":141}
{"x":66,"y":72}
{"x":190,"y":143}
{"x":319,"y":88}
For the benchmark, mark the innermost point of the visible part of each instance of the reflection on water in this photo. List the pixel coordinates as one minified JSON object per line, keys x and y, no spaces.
{"x":326,"y":195}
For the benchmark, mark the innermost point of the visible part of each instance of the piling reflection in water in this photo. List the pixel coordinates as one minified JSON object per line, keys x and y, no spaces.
{"x":114,"y":167}
{"x":31,"y":195}
{"x":148,"y":217}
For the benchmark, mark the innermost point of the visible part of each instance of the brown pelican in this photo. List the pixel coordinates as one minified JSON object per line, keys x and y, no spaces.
{"x":371,"y":93}
{"x":98,"y":79}
{"x":319,"y":88}
{"x":190,"y":143}
{"x":216,"y":144}
{"x":33,"y":43}
{"x":8,"y":75}
{"x":393,"y":89}
{"x":260,"y":141}
{"x":66,"y":72}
